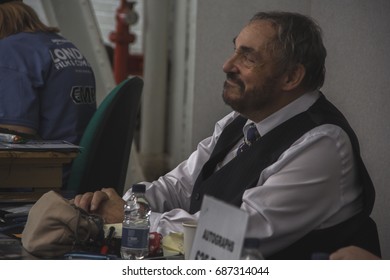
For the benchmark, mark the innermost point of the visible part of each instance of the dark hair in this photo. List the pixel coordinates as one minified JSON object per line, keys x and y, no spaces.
{"x":16,"y":17}
{"x":298,"y":41}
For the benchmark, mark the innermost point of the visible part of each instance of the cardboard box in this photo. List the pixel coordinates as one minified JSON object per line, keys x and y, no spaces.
{"x":38,"y":169}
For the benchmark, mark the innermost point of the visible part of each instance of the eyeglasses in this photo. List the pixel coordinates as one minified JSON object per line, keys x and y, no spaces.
{"x":247,"y":58}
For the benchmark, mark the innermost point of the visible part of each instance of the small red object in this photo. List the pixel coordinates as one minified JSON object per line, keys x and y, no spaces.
{"x":154,"y":243}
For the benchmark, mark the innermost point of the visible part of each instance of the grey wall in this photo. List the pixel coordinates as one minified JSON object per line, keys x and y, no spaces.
{"x":357,"y":39}
{"x":356,"y":34}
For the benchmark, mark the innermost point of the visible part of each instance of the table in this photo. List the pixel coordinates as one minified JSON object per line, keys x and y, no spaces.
{"x":27,"y":171}
{"x":39,"y":170}
{"x":13,"y":250}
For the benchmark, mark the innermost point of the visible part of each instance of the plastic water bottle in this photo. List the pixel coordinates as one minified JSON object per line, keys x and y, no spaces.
{"x":251,"y":249}
{"x":136,"y":225}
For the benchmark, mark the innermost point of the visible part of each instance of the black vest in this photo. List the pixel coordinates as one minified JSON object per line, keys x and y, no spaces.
{"x":241,"y":173}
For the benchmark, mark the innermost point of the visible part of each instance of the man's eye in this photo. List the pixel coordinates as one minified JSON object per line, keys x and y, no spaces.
{"x":249,"y":58}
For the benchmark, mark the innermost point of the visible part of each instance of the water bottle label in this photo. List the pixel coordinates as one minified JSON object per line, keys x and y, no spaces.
{"x":135,"y":238}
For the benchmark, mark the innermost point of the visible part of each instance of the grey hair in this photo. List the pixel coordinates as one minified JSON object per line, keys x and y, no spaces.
{"x":298,"y":41}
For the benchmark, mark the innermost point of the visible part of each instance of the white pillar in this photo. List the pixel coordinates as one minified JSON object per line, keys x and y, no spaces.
{"x":153,"y":109}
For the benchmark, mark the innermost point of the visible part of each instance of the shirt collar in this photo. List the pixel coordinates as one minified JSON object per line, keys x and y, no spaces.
{"x":296,"y":107}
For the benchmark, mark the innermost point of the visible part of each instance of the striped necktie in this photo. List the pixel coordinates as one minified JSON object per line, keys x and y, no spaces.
{"x":252,"y":135}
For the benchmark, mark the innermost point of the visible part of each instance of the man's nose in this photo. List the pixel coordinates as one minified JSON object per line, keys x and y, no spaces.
{"x":230,"y":64}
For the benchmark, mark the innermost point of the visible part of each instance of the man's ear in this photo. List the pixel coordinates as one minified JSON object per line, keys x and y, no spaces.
{"x":293,"y":78}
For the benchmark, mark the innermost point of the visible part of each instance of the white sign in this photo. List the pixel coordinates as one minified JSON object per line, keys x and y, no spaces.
{"x":220,"y":232}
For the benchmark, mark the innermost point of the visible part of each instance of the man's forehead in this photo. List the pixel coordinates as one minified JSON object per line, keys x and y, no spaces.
{"x":257,"y":35}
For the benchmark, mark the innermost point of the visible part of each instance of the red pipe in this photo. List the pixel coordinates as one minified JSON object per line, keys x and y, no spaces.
{"x":125,"y":16}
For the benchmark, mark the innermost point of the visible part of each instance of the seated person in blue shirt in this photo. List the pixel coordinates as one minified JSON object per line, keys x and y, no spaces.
{"x":47,"y":87}
{"x":298,"y":174}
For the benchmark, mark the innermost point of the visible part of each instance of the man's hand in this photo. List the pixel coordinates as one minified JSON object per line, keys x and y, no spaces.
{"x":105,"y":202}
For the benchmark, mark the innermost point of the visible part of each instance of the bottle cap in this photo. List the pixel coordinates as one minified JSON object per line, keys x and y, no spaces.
{"x":252,"y":242}
{"x":138,"y":188}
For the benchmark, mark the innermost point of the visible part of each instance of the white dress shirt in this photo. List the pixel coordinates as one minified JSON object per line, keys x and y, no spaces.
{"x":312,"y":185}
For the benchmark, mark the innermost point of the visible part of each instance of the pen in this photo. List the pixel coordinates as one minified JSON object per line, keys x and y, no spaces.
{"x":105,"y":246}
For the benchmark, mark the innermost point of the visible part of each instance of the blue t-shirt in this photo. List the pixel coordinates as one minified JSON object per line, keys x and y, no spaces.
{"x":46,"y":84}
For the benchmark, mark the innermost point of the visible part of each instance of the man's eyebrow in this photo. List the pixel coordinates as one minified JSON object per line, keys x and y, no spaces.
{"x":246,"y":49}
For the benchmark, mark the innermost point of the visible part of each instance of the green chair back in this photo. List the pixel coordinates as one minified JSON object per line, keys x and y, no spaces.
{"x":107,"y":140}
